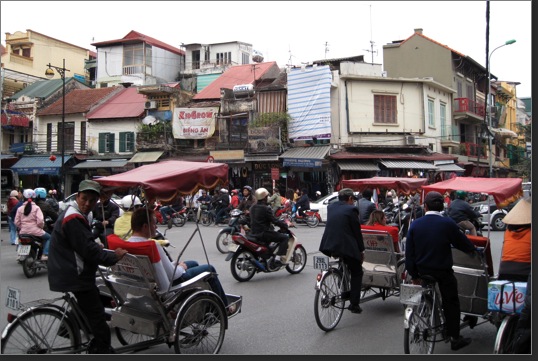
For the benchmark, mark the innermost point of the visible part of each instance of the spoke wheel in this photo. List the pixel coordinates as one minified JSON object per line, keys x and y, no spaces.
{"x":312,"y":221}
{"x":504,"y":342}
{"x":419,"y":337}
{"x":223,"y":240}
{"x":200,"y":326}
{"x":126,"y":337}
{"x":41,"y":331}
{"x":179,"y":221}
{"x":298,"y":260}
{"x":241,"y":266}
{"x":328,"y":305}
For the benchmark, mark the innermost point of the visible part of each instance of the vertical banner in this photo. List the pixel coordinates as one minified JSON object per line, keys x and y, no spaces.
{"x":194,"y":123}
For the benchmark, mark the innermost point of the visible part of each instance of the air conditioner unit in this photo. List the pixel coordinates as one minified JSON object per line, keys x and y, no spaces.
{"x":409,"y":140}
{"x":152,"y":104}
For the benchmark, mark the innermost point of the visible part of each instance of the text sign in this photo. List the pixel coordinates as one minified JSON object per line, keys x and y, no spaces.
{"x":13,"y":298}
{"x":321,"y":262}
{"x":275,"y":173}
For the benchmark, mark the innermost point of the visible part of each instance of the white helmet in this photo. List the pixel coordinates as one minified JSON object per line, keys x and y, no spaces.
{"x":261,"y":193}
{"x":318,"y":193}
{"x":28,"y":193}
{"x":223,"y":190}
{"x":127,"y":202}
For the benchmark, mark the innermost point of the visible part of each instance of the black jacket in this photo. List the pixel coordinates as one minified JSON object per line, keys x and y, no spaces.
{"x":303,"y":202}
{"x":262,"y":219}
{"x":459,"y":210}
{"x":366,"y":207}
{"x":111,"y":212}
{"x":47,"y":209}
{"x":342,"y":236}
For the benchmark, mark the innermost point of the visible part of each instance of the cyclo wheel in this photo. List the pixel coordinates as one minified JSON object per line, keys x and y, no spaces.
{"x":126,"y":337}
{"x":504,"y":342}
{"x":223,"y":239}
{"x":419,"y":337}
{"x":297,"y":261}
{"x":41,"y":331}
{"x":29,"y":264}
{"x":200,"y":326}
{"x":328,"y":303}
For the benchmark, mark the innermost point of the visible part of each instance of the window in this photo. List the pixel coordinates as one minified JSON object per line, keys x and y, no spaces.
{"x":126,"y":141}
{"x":196,"y":59}
{"x":106,"y":142}
{"x":470,"y":92}
{"x":49,"y":137}
{"x":82,"y":135}
{"x":224,"y":58}
{"x":459,"y":89}
{"x":245,"y":57}
{"x":207,"y":55}
{"x":385,"y":109}
{"x":431,"y":114}
{"x":133,"y":59}
{"x":69,"y":135}
{"x":26,"y":52}
{"x":442,"y":119}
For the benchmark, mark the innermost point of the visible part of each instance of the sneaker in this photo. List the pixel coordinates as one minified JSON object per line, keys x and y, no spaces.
{"x":355,"y":308}
{"x":460,"y":342}
{"x":44,"y":258}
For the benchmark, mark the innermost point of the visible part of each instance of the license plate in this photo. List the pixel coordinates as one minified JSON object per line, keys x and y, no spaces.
{"x":24,"y":250}
{"x":232,"y":247}
{"x":321,"y":262}
{"x":13,"y":298}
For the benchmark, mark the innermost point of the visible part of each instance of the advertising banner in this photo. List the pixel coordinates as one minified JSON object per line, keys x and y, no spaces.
{"x":194,"y":123}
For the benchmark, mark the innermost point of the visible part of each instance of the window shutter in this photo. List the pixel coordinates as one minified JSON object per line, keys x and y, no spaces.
{"x":122,"y":141}
{"x":102,"y":144}
{"x":111,"y":144}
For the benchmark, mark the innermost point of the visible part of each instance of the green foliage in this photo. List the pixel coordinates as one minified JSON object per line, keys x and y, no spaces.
{"x":154,"y":132}
{"x":273,"y":119}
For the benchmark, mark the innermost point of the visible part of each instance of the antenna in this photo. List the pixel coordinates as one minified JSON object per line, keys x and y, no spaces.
{"x":371,"y":50}
{"x":290,"y":64}
{"x":326,"y":48}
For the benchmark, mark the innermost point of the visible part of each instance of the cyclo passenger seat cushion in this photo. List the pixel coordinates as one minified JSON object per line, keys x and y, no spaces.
{"x":483,"y":242}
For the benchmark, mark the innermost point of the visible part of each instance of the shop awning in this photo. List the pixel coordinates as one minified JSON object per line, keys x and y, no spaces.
{"x":449,"y":168}
{"x":145,"y":157}
{"x":39,"y":165}
{"x":261,"y":158}
{"x":93,"y":164}
{"x":306,"y":157}
{"x":18,"y":120}
{"x":407,"y":164}
{"x":358,"y":166}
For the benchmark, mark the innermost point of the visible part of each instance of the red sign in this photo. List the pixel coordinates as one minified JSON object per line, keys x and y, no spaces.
{"x":275,"y":173}
{"x":210,"y":159}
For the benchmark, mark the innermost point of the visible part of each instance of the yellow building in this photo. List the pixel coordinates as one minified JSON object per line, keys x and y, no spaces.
{"x":504,"y":122}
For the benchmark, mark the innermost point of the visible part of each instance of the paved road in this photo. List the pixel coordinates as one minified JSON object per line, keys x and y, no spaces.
{"x":277,"y":316}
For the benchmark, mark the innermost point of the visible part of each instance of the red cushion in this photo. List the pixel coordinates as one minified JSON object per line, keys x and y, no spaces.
{"x":483,"y":242}
{"x":147,"y":248}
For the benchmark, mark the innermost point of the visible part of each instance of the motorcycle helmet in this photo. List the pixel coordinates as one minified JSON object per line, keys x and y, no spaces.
{"x":28,"y":193}
{"x":223,"y":190}
{"x":52,"y":192}
{"x":261,"y":193}
{"x":127,"y":202}
{"x":40,"y":193}
{"x":14,"y":193}
{"x":461,"y":195}
{"x":318,"y":193}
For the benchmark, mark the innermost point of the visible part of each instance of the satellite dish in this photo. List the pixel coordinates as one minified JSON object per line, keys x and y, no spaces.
{"x":149,"y":120}
{"x":257,"y":56}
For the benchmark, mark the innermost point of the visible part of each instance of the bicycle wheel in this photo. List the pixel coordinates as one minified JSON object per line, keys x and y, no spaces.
{"x":328,"y":304}
{"x":200,"y":326}
{"x":504,"y":342}
{"x":223,"y":240}
{"x":419,"y":337}
{"x":41,"y":331}
{"x":126,"y":337}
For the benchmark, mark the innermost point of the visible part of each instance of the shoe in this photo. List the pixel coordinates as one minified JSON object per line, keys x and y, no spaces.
{"x":355,"y":308}
{"x":44,"y":258}
{"x":460,"y":342}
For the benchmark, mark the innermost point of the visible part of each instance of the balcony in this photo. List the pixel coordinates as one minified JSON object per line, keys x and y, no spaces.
{"x":468,"y":111}
{"x":473,"y":150}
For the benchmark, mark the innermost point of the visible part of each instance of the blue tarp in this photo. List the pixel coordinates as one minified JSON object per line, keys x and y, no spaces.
{"x":39,"y":165}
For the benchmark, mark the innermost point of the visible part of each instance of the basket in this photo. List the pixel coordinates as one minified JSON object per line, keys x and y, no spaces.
{"x":411,"y":294}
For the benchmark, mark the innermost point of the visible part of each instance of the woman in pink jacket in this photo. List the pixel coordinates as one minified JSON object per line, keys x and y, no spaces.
{"x":29,"y":220}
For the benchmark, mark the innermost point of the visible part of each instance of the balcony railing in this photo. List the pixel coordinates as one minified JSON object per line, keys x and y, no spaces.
{"x":466,"y":105}
{"x":473,"y":150}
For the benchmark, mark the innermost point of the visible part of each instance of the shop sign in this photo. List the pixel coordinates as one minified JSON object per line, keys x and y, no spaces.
{"x":302,"y":162}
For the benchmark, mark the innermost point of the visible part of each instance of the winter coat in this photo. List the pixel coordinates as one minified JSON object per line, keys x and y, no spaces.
{"x":32,"y":223}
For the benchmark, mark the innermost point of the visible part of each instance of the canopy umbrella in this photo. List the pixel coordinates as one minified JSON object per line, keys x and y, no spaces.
{"x":401,"y":185}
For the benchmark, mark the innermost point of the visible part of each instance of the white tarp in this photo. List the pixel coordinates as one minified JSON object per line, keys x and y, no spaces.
{"x":309,"y":103}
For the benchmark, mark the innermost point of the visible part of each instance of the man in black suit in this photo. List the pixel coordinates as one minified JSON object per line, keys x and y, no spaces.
{"x":342,"y":238}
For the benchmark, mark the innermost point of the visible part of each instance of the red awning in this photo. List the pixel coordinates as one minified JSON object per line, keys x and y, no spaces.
{"x":16,"y":120}
{"x":400,"y":185}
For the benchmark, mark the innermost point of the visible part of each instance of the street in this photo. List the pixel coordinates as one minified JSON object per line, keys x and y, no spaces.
{"x":277,"y":316}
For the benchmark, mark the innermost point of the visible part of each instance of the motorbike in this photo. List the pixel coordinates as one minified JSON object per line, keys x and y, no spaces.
{"x":236,"y":224}
{"x":311,"y":217}
{"x":249,"y":255}
{"x":30,"y":250}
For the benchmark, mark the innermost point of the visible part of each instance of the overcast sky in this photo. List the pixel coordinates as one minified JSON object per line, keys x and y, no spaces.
{"x":293,"y":32}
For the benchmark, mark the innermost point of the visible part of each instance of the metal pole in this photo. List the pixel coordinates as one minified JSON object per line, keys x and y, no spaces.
{"x":62,"y":169}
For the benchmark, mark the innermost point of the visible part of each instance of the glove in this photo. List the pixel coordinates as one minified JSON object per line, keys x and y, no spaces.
{"x":162,"y":242}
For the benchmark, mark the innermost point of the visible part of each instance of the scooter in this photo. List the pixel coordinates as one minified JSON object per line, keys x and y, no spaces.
{"x":251,"y":256}
{"x":236,"y":224}
{"x":30,"y":250}
{"x":311,"y":217}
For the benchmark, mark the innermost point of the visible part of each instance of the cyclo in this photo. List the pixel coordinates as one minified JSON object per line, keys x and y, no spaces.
{"x":424,"y":319}
{"x":384,"y":268}
{"x":143,"y":313}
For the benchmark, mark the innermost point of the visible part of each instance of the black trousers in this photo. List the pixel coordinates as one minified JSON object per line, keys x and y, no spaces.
{"x":91,"y":305}
{"x":355,"y":270}
{"x":280,"y":238}
{"x":448,"y":286}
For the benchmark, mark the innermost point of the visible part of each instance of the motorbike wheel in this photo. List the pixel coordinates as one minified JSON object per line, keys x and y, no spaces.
{"x":241,"y":266}
{"x":223,"y":239}
{"x":179,"y":221}
{"x":29,"y":264}
{"x":312,"y":221}
{"x":298,"y":260}
{"x":497,"y":223}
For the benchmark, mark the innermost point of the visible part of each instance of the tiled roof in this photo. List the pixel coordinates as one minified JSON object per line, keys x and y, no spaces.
{"x":126,"y":104}
{"x":236,"y":75}
{"x":43,"y":88}
{"x":79,"y":101}
{"x":435,"y":42}
{"x":135,"y":35}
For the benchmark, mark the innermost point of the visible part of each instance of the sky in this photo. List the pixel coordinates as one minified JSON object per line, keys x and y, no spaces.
{"x":294,"y":32}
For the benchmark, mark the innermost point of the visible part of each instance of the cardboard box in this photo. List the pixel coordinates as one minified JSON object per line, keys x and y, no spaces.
{"x":506,"y":296}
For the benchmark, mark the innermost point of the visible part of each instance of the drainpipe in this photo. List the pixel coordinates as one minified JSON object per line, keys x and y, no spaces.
{"x":347,"y":110}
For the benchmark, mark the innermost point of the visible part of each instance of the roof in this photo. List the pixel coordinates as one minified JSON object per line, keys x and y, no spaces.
{"x":39,"y":165}
{"x":235,"y":75}
{"x":43,"y":88}
{"x":146,"y":157}
{"x":407,"y":164}
{"x":135,"y":36}
{"x":94,"y":164}
{"x":79,"y":101}
{"x":401,"y":155}
{"x":126,"y":104}
{"x":361,"y":166}
{"x":306,"y":152}
{"x":435,"y":42}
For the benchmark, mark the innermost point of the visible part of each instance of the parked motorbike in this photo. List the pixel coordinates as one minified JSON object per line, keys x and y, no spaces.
{"x":251,"y":255}
{"x":178,"y":218}
{"x":311,"y":217}
{"x":30,"y":250}
{"x":235,"y":225}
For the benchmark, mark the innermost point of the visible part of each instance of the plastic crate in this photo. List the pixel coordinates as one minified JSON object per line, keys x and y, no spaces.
{"x":411,"y":294}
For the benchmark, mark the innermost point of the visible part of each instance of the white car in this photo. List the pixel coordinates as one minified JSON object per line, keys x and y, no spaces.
{"x":322,"y":203}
